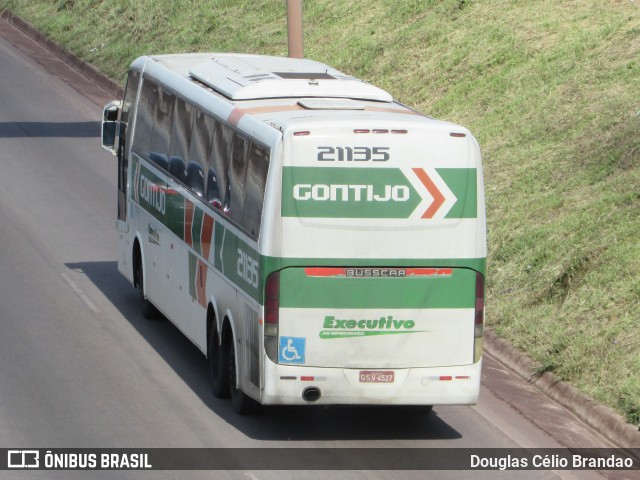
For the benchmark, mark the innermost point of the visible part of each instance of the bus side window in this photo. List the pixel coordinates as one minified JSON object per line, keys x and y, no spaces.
{"x":131,"y":91}
{"x":255,"y":180}
{"x":219,"y":163}
{"x":237,"y":174}
{"x":144,"y":117}
{"x":161,"y":134}
{"x":128,"y":106}
{"x":181,"y":129}
{"x":199,"y":152}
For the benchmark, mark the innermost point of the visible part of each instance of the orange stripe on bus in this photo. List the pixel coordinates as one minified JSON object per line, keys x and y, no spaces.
{"x":272,"y":109}
{"x":205,"y":237}
{"x":325,"y":272}
{"x":235,"y":116}
{"x":438,"y":197}
{"x":238,"y":113}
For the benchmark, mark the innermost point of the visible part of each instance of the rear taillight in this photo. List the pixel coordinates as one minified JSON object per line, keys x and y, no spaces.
{"x":479,"y":321}
{"x":478,"y":330}
{"x":272,"y":315}
{"x":272,"y":299}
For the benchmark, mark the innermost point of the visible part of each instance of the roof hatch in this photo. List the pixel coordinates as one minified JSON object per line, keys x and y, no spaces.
{"x":250,"y":77}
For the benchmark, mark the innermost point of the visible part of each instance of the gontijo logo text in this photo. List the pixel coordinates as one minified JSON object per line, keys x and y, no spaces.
{"x":365,"y":192}
{"x":384,"y":325}
{"x":357,"y":193}
{"x":153,"y":194}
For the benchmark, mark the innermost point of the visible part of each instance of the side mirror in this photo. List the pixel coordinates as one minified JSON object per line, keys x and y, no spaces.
{"x":110,"y":116}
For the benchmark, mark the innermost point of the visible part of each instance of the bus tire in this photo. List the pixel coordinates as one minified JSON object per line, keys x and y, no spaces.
{"x":241,"y":403}
{"x":149,"y":311}
{"x":218,"y":358}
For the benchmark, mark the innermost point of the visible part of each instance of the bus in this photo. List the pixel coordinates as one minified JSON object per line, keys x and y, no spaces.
{"x":318,"y":241}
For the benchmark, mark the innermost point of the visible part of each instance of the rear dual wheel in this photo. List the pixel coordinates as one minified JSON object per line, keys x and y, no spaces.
{"x":218,"y":365}
{"x":224,"y":373}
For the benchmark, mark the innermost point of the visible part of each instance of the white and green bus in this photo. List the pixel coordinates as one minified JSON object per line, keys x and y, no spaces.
{"x":318,"y":241}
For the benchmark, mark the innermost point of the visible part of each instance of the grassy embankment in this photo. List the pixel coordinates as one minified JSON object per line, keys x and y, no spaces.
{"x":550,"y":88}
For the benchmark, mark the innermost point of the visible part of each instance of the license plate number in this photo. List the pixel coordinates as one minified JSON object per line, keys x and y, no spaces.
{"x":373,"y":376}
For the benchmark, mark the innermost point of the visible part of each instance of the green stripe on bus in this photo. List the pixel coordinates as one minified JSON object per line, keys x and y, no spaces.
{"x":241,"y":264}
{"x":271,"y":264}
{"x":196,"y":229}
{"x":218,"y":234}
{"x":150,"y":191}
{"x":463,"y":183}
{"x":297,"y":290}
{"x":347,"y":193}
{"x":233,"y":257}
{"x":323,"y":192}
{"x":175,"y":213}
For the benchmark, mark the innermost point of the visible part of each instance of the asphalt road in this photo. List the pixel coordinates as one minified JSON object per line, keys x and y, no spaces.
{"x":80,"y":367}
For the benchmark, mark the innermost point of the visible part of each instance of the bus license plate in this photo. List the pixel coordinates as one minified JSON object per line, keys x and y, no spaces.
{"x":375,"y":376}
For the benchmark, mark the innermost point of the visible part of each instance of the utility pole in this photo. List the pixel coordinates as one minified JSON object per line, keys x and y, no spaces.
{"x":294,"y":28}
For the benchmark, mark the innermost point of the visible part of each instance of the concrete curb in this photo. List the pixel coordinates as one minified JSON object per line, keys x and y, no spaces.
{"x":601,"y":418}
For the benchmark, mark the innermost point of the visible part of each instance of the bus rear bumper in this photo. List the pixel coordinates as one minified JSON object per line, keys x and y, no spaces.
{"x":458,"y":385}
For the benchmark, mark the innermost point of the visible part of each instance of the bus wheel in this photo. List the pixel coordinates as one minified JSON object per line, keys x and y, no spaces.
{"x":240,"y":401}
{"x":218,"y":358}
{"x":149,"y":310}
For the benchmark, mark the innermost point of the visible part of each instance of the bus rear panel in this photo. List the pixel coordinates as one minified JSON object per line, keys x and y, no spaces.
{"x":379,"y":294}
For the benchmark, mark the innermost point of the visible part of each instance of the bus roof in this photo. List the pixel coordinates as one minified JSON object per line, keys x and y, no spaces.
{"x":253,"y":77}
{"x":246,"y":77}
{"x":279,"y":91}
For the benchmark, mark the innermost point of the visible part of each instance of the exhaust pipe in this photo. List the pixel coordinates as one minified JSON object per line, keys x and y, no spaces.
{"x":311,"y":394}
{"x":294,"y":28}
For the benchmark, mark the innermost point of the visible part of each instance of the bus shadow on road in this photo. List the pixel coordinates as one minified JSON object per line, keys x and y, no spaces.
{"x":282,"y":423}
{"x":50,"y":129}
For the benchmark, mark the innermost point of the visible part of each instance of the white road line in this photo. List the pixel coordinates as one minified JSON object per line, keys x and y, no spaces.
{"x":78,"y":291}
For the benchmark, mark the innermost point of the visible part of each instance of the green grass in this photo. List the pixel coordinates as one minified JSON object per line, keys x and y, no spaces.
{"x":550,"y":88}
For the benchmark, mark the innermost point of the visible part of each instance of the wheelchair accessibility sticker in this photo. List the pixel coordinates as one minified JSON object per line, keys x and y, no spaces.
{"x":292,"y":350}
